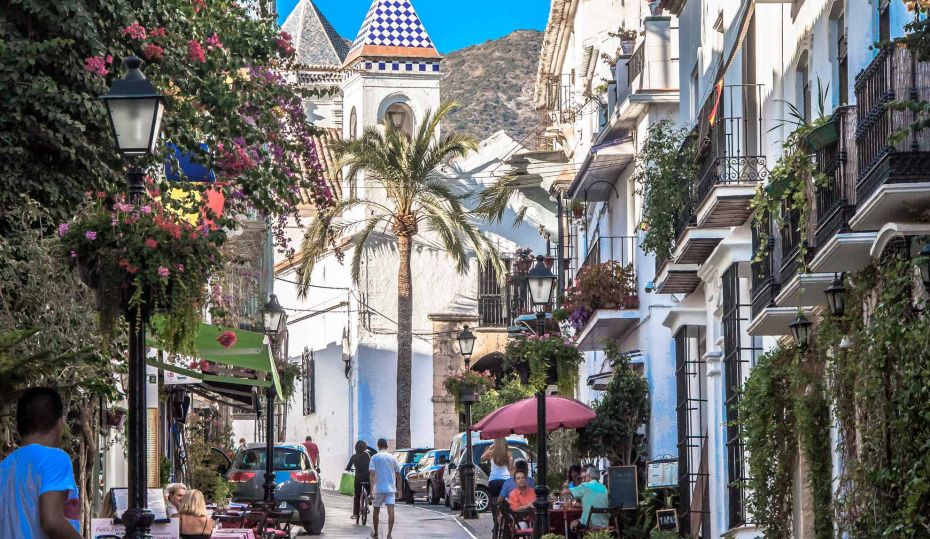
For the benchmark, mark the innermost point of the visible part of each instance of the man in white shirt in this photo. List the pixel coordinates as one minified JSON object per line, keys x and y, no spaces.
{"x":384,"y":472}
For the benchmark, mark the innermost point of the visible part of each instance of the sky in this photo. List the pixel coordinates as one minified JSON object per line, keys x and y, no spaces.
{"x":452,"y":24}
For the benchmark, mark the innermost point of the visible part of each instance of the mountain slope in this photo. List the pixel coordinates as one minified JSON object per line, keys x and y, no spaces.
{"x":493,"y":82}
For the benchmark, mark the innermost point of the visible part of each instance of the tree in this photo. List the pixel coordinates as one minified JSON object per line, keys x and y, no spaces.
{"x":405,"y":167}
{"x":624,"y":408}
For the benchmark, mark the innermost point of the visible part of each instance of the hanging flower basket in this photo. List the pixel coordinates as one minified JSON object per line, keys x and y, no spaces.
{"x":822,"y":136}
{"x":116,"y":418}
{"x":145,"y":258}
{"x":466,"y":385}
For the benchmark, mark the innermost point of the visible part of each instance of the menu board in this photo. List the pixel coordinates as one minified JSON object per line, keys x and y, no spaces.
{"x":622,"y":487}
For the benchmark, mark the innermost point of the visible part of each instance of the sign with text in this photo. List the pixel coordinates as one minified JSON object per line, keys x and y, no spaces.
{"x":104,"y":527}
{"x":662,"y":473}
{"x":622,"y":486}
{"x":667,"y":519}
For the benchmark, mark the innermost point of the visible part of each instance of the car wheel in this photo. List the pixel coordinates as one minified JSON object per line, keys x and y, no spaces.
{"x":482,"y":499}
{"x":315,"y":525}
{"x":408,"y":493}
{"x":434,"y":496}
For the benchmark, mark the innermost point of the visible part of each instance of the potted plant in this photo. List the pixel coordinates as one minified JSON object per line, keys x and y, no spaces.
{"x":141,"y":258}
{"x":578,"y":210}
{"x":822,"y":134}
{"x":548,"y":359}
{"x":465,"y":386}
{"x":523,"y":260}
{"x":627,"y":38}
{"x":609,"y":285}
{"x":116,"y":417}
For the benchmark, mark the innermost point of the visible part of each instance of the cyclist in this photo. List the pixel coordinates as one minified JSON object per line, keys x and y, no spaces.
{"x":360,"y":461}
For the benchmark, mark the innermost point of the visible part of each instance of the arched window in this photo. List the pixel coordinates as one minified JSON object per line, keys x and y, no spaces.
{"x":400,"y":116}
{"x":353,"y":124}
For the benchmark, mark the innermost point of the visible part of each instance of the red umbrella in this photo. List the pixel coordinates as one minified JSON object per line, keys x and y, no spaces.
{"x":520,"y":417}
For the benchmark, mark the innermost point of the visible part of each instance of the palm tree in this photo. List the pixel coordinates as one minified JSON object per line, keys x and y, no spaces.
{"x":405,"y":168}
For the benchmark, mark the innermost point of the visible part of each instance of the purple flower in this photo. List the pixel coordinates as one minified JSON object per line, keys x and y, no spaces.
{"x":123,"y":207}
{"x":146,"y":209}
{"x":63,"y":229}
{"x":73,"y":254}
{"x":90,"y":235}
{"x":163,"y":271}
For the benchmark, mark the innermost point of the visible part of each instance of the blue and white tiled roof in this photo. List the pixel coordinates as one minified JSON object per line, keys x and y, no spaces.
{"x":392,"y":29}
{"x":316,"y":41}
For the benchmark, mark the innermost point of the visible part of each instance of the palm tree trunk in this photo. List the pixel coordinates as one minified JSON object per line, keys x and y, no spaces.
{"x":404,"y":340}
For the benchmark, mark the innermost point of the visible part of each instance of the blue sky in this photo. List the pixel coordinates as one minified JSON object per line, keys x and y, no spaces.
{"x":452,"y":24}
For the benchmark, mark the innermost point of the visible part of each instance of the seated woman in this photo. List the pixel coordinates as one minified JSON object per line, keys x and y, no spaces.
{"x":195,"y":522}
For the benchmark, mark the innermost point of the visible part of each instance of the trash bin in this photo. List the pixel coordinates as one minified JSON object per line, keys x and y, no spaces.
{"x":347,"y":484}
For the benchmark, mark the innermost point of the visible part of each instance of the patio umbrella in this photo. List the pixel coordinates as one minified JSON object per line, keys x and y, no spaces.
{"x":520,"y":417}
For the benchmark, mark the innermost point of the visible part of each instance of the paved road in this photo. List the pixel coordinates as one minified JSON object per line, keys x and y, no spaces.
{"x":419,"y":521}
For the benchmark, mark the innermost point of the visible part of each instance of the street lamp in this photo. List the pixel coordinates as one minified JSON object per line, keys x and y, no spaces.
{"x":273,"y":320}
{"x":540,"y":281}
{"x":467,"y":397}
{"x":134,"y":109}
{"x":801,"y":331}
{"x":836,"y":296}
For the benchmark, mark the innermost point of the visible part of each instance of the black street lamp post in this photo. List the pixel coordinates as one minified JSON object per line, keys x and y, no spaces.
{"x":467,"y":397}
{"x":540,"y":281}
{"x":135,"y":109}
{"x":273,"y":319}
{"x":801,"y":331}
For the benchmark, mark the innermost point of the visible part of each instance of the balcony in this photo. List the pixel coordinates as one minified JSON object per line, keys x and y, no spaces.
{"x":677,"y":273}
{"x":730,"y":164}
{"x":607,"y":289}
{"x":650,"y":74}
{"x":894,"y":176}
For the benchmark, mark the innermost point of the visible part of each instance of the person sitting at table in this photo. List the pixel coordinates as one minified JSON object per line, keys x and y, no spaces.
{"x":174,"y":493}
{"x":574,"y":477}
{"x":195,"y":522}
{"x":510,"y":484}
{"x":591,"y":493}
{"x":522,"y":497}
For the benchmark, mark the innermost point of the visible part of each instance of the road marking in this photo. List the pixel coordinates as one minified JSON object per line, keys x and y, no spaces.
{"x":453,"y":517}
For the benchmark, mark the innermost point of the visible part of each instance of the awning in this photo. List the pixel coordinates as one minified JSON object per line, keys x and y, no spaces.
{"x":250,"y":352}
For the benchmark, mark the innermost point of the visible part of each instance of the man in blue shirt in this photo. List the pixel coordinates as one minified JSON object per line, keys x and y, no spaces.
{"x":38,"y":495}
{"x":385,"y":476}
{"x":510,"y":484}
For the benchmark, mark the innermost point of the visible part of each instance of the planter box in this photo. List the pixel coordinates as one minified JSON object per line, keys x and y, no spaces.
{"x":822,"y":136}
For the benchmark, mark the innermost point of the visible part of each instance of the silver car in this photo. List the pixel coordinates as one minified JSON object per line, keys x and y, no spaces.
{"x":297,"y":484}
{"x":519,"y":450}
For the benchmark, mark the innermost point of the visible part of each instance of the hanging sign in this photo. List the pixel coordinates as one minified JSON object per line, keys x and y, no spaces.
{"x":667,"y":519}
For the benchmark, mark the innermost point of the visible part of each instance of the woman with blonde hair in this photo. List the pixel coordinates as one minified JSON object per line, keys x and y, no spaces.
{"x":501,"y":466}
{"x":195,"y":522}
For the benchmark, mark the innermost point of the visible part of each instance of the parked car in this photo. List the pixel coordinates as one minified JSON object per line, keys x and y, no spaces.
{"x":408,"y":459}
{"x":426,"y":478}
{"x":519,"y":449}
{"x":297,"y":484}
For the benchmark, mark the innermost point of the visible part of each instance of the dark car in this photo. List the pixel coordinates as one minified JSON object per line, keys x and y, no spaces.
{"x":297,"y":484}
{"x":427,"y":477}
{"x":453,"y":479}
{"x":408,"y":459}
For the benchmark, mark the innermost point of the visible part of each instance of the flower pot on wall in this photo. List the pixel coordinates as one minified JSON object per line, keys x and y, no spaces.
{"x":822,"y":136}
{"x":549,"y":261}
{"x":626,"y":46}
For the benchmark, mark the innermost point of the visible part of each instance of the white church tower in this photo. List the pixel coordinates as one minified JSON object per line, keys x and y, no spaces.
{"x":392,"y":70}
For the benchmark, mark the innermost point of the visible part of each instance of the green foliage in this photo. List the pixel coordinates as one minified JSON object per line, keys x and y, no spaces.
{"x":289,"y":374}
{"x":509,"y":392}
{"x":622,"y":410}
{"x":665,"y":534}
{"x":479,"y":382}
{"x":664,"y":169}
{"x":608,"y":285}
{"x":598,"y":535}
{"x":553,"y":536}
{"x":203,"y":434}
{"x":548,"y":359}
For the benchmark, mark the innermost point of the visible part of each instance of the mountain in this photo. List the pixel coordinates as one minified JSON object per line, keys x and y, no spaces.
{"x":493,"y":82}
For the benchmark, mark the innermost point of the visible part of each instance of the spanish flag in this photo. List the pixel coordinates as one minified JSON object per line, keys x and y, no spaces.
{"x":718,"y":88}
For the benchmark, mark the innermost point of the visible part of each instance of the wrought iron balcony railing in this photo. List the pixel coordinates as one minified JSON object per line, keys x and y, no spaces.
{"x":836,"y":197}
{"x":611,"y":248}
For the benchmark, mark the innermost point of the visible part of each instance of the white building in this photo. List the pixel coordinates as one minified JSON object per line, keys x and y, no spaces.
{"x":345,"y":332}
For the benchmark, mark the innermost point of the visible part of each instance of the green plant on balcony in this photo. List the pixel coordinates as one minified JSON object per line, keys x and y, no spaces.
{"x":664,"y":168}
{"x":608,"y":285}
{"x":548,"y":359}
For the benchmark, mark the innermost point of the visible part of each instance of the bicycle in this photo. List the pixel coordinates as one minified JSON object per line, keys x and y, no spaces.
{"x":363,"y":502}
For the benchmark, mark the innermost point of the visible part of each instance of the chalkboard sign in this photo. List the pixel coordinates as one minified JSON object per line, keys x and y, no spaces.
{"x":623,"y":487}
{"x":667,"y":519}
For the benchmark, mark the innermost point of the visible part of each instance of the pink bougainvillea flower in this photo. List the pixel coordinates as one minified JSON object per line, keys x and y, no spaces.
{"x":152,"y":52}
{"x":96,"y":65}
{"x":198,"y":5}
{"x":135,"y":31}
{"x":63,"y":229}
{"x":151,"y":243}
{"x":227,"y":339}
{"x":179,"y":267}
{"x":204,"y":365}
{"x":195,"y":51}
{"x":214,"y":41}
{"x":73,"y":254}
{"x":90,"y":235}
{"x":146,"y":209}
{"x":158,"y":32}
{"x":163,"y":271}
{"x":283,"y":42}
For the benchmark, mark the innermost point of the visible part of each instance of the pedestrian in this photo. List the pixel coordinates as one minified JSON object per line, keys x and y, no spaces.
{"x":314,"y":451}
{"x":384,"y":476}
{"x":195,"y":521}
{"x":501,"y":465}
{"x":360,"y":461}
{"x":38,"y":496}
{"x":592,"y":494}
{"x":241,"y":445}
{"x":174,"y":493}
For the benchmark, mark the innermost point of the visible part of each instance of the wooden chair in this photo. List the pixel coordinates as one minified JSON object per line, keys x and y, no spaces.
{"x":510,"y":520}
{"x":255,"y":520}
{"x":278,"y":524}
{"x":613,"y":520}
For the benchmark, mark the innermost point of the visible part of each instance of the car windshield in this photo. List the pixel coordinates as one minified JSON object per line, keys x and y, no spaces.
{"x":407,"y":457}
{"x":284,"y":459}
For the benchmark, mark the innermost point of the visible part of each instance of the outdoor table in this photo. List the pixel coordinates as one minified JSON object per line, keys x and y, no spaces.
{"x":561,"y":518}
{"x":231,"y":533}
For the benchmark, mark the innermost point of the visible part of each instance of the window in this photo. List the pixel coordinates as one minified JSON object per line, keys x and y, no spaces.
{"x":309,"y":381}
{"x":842,"y":59}
{"x":353,"y":124}
{"x":803,"y":85}
{"x":884,"y":20}
{"x":694,"y":90}
{"x":400,"y":116}
{"x":691,"y":379}
{"x":491,"y":303}
{"x":739,"y":353}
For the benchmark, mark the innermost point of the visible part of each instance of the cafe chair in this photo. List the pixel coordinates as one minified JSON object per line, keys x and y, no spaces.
{"x":278,"y":524}
{"x":613,"y":525}
{"x":510,"y":522}
{"x":229,"y":520}
{"x":255,"y":520}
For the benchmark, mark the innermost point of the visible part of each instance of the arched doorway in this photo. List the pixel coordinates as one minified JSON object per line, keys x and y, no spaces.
{"x":400,"y":116}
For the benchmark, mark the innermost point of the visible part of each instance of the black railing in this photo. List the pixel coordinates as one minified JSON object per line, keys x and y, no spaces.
{"x":611,"y":248}
{"x":836,"y":197}
{"x":791,"y":240}
{"x":636,"y":64}
{"x":765,"y":271}
{"x":894,"y":75}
